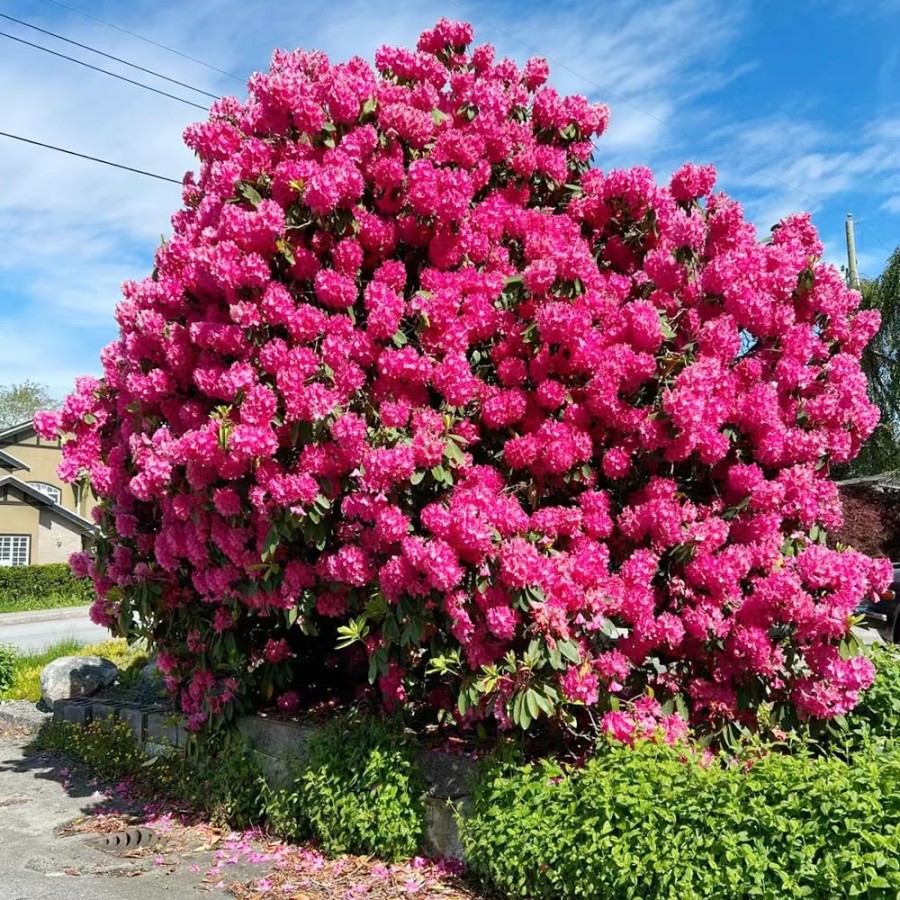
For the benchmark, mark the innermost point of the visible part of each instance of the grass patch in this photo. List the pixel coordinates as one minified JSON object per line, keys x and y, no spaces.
{"x":47,"y":601}
{"x":26,"y":667}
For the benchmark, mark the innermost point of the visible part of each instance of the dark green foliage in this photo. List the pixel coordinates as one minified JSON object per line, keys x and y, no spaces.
{"x":881,"y":364}
{"x":42,"y":587}
{"x":875,"y":722}
{"x":362,"y":789}
{"x":654,"y":822}
{"x":7,"y":666}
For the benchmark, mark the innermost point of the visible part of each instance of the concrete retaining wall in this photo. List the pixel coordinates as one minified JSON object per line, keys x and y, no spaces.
{"x":277,"y":745}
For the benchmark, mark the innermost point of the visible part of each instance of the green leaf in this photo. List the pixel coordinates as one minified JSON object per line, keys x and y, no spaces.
{"x":356,"y":631}
{"x":454,"y":454}
{"x":569,"y":650}
{"x":285,"y":249}
{"x":531,"y":701}
{"x":250,"y":193}
{"x":270,"y":545}
{"x":667,"y":330}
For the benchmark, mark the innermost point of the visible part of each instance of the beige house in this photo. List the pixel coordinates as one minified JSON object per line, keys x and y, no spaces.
{"x":42,"y":520}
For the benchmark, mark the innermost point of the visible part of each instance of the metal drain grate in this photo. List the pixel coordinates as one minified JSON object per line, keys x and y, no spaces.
{"x":122,"y":842}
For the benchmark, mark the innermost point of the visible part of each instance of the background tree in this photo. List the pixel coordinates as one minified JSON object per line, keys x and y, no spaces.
{"x":19,"y":402}
{"x":881,"y":363}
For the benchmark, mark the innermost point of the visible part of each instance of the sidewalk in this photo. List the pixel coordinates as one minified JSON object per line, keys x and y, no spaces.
{"x":44,"y":615}
{"x":50,"y":816}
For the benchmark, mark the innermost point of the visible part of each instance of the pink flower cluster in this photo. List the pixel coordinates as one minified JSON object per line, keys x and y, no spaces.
{"x":411,"y":368}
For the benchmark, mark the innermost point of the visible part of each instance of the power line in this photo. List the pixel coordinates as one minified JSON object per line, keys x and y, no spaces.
{"x":80,"y":62}
{"x":117,"y":59}
{"x":96,"y":159}
{"x":874,"y":236}
{"x":147,"y":40}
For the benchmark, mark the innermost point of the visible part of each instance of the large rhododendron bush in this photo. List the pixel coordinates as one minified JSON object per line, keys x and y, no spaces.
{"x":417,"y":402}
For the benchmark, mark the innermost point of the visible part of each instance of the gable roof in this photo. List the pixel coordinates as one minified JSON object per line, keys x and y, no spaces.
{"x":12,"y":432}
{"x":81,"y":524}
{"x":8,"y":461}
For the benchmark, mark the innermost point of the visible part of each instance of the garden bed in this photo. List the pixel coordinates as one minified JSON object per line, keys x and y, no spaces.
{"x":817,"y":815}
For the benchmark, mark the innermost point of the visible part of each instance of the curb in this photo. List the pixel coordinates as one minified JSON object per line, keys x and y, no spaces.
{"x":44,"y":615}
{"x":30,"y":722}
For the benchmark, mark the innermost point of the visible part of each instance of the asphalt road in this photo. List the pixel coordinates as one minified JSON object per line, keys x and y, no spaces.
{"x":37,"y":630}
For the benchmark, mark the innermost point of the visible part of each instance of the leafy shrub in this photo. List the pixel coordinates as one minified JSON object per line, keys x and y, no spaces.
{"x":107,"y":746}
{"x":412,"y":379}
{"x":359,"y":789}
{"x":875,"y":722}
{"x":226,"y":781}
{"x":7,"y":666}
{"x":655,"y":822}
{"x":362,"y":789}
{"x":222,"y":781}
{"x":286,"y":812}
{"x":41,"y":587}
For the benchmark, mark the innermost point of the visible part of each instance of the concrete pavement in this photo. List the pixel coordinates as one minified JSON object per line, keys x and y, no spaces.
{"x":42,"y":859}
{"x":31,"y":631}
{"x":37,"y":797}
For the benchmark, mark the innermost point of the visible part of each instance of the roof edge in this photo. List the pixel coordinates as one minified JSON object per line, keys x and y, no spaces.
{"x":84,"y":525}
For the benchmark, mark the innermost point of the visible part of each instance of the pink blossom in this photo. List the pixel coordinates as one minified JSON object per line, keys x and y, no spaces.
{"x":411,"y":361}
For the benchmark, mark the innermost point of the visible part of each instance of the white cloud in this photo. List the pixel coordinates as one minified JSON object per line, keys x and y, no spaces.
{"x":787,"y":163}
{"x":73,"y":231}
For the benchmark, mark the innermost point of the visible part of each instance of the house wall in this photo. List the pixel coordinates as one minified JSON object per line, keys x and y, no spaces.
{"x":53,"y":539}
{"x":17,"y":517}
{"x":56,"y":540}
{"x":43,"y":458}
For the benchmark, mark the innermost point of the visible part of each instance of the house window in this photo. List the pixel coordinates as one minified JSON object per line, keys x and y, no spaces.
{"x":51,"y":490}
{"x":14,"y":549}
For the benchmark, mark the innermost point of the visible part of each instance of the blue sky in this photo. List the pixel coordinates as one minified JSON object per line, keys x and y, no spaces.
{"x":795,"y":102}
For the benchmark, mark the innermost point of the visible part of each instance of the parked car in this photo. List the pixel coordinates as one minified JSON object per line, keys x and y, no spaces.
{"x":882,"y":612}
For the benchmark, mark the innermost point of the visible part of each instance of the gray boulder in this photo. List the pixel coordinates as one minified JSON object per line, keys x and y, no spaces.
{"x":150,"y":672}
{"x":76,"y":676}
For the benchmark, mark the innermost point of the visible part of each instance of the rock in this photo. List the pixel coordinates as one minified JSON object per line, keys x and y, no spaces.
{"x":76,"y":676}
{"x":150,"y":672}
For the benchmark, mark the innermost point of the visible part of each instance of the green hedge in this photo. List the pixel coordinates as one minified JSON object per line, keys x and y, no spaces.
{"x":41,"y":587}
{"x":875,"y":722}
{"x":653,"y":822}
{"x":362,"y":789}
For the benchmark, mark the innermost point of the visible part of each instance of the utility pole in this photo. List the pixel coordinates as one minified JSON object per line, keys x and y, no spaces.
{"x":851,"y":252}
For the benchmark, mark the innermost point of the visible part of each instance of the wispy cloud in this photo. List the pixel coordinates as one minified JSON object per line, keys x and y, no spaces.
{"x":785,"y":163}
{"x":72,"y":231}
